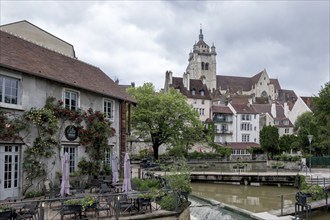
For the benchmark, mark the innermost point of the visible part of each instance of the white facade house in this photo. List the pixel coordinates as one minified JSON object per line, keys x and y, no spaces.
{"x":29,"y":74}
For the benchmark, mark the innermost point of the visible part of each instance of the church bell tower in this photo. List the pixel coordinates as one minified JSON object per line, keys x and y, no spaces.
{"x":202,"y":62}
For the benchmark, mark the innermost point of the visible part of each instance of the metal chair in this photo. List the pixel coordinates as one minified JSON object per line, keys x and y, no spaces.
{"x":29,"y":211}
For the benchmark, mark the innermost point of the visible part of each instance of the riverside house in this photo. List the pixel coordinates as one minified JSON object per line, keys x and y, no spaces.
{"x":36,"y":65}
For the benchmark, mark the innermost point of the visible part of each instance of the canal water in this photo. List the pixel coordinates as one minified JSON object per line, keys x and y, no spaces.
{"x":252,"y":198}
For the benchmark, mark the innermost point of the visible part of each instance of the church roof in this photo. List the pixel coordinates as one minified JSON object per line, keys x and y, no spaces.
{"x":244,"y":83}
{"x":30,"y":58}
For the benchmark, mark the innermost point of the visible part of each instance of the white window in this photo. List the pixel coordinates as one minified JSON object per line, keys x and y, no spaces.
{"x":9,"y":90}
{"x":193,"y":91}
{"x":72,"y":151}
{"x":202,"y":93}
{"x":195,"y":101}
{"x":71,"y":99}
{"x":203,"y":101}
{"x":246,"y":127}
{"x":201,"y":111}
{"x":108,"y":109}
{"x":246,"y":117}
{"x":245,"y":138}
{"x":276,"y":122}
{"x":286,"y":130}
{"x":286,"y":122}
{"x":107,"y":155}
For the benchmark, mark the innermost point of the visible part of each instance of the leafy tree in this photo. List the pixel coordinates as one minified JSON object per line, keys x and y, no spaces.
{"x":306,"y":125}
{"x":163,"y":117}
{"x":322,"y":117}
{"x":269,"y":139}
{"x":287,"y":142}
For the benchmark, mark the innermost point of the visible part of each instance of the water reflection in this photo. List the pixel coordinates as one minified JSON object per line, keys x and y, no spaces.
{"x":252,"y":198}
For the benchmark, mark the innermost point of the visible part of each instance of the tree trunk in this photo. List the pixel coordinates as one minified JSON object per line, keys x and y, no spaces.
{"x":155,"y":147}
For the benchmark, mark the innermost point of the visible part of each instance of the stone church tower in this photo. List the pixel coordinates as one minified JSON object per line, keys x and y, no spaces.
{"x":202,"y":63}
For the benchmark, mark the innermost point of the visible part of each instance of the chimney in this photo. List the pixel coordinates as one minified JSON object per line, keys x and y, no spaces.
{"x":188,"y":81}
{"x":133,"y":84}
{"x":203,"y":78}
{"x":286,"y":109}
{"x":169,"y":76}
{"x":273,"y":109}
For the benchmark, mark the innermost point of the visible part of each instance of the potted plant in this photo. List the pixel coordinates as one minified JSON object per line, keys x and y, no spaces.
{"x":5,"y":211}
{"x":83,"y":203}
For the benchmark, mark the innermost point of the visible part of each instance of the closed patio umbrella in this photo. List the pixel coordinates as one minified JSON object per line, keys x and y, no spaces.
{"x":65,"y":184}
{"x":114,"y":169}
{"x":127,"y":174}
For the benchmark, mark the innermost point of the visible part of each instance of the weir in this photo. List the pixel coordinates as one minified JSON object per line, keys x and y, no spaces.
{"x":250,"y":178}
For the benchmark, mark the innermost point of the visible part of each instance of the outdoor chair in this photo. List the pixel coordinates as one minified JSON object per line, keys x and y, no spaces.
{"x":125,"y":206}
{"x":107,"y":206}
{"x":95,"y":184}
{"x":29,"y":211}
{"x":70,"y":210}
{"x":105,"y":189}
{"x":145,"y":204}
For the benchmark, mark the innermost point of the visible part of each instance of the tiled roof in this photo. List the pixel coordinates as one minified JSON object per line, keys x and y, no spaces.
{"x":29,"y":58}
{"x":263,"y":108}
{"x":221,"y":109}
{"x":308,"y":101}
{"x":244,"y":108}
{"x":276,"y":84}
{"x":226,"y":82}
{"x":194,"y":84}
{"x":245,"y":83}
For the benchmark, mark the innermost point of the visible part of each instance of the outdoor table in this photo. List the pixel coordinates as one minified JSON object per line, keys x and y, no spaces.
{"x":134,"y":197}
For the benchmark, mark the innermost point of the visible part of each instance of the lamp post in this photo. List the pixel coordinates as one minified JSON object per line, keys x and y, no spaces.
{"x":310,"y":138}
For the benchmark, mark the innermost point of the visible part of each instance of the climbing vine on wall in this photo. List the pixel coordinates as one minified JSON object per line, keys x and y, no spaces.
{"x":10,"y":126}
{"x":47,"y":123}
{"x":46,"y":126}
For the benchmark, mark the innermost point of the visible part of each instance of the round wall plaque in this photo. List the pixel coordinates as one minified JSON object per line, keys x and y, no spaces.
{"x":71,"y":132}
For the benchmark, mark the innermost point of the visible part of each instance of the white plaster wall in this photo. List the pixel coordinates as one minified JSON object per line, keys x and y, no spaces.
{"x":206,"y":106}
{"x":34,"y":92}
{"x":40,"y":37}
{"x":299,"y":108}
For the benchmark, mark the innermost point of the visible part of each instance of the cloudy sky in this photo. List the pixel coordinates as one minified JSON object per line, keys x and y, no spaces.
{"x":137,"y":41}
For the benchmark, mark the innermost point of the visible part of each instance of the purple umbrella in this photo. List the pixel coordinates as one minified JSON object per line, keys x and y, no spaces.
{"x":65,"y":185}
{"x":114,"y":169}
{"x":127,"y":174}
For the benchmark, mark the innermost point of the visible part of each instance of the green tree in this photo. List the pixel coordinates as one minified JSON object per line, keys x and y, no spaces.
{"x":322,"y":117}
{"x":269,"y":139}
{"x":287,"y":142}
{"x":306,"y":125}
{"x":163,"y":117}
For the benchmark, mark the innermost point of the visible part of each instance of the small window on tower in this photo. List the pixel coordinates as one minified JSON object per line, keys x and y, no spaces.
{"x":206,"y":66}
{"x":203,"y":65}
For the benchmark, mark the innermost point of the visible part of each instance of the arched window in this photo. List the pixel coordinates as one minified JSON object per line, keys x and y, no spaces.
{"x":203,"y":65}
{"x":193,"y":91}
{"x":206,"y":66}
{"x":264,"y":94}
{"x":202,"y":93}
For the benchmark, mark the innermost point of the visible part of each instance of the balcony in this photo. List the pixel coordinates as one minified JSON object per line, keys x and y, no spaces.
{"x":222,"y":120}
{"x":224,"y":132}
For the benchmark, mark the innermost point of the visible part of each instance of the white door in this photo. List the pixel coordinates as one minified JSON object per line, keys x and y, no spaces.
{"x":9,"y":171}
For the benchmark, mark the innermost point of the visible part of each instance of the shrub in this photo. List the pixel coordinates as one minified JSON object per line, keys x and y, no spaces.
{"x":168,"y":202}
{"x":32,"y":194}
